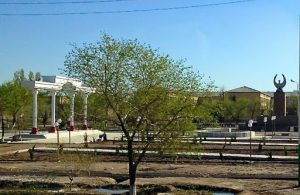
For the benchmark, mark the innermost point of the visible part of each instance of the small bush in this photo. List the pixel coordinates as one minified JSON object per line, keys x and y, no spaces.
{"x":223,"y":146}
{"x":60,"y":149}
{"x":31,"y":154}
{"x":195,"y":140}
{"x":259,"y":147}
{"x":233,"y":138}
{"x":285,"y":151}
{"x":264,"y":140}
{"x":270,"y":155}
{"x":221,"y":156}
{"x":85,"y":140}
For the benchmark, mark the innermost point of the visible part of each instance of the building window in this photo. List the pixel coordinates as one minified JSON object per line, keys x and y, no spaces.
{"x":233,"y":98}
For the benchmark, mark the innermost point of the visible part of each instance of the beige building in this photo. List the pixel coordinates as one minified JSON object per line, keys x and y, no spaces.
{"x":251,"y":94}
{"x":265,"y":98}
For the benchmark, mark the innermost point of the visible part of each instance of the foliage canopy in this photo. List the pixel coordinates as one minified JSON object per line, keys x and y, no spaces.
{"x":145,"y":93}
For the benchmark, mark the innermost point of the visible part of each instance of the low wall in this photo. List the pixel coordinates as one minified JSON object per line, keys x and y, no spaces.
{"x":223,"y":134}
{"x":282,"y":123}
{"x":76,"y":136}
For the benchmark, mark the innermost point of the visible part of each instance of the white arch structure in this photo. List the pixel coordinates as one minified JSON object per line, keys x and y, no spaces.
{"x":54,"y":84}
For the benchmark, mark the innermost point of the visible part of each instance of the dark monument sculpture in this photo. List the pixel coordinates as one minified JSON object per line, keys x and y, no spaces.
{"x":282,"y":121}
{"x":279,"y":105}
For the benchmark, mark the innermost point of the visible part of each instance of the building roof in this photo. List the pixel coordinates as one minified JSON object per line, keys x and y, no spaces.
{"x":244,"y":89}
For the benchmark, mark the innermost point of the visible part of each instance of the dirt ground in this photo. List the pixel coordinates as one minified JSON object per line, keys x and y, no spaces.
{"x":240,"y":177}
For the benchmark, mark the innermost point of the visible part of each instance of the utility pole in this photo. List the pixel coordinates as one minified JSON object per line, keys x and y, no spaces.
{"x":298,"y":113}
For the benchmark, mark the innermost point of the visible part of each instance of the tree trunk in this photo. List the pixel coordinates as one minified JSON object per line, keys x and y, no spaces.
{"x":132,"y":169}
{"x":132,"y":189}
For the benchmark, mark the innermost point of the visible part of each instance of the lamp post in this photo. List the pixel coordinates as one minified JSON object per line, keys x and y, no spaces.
{"x":57,"y":124}
{"x":250,"y":122}
{"x":265,"y":121}
{"x":273,"y":118}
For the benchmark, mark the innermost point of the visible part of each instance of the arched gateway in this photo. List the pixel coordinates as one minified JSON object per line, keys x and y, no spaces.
{"x":54,"y":84}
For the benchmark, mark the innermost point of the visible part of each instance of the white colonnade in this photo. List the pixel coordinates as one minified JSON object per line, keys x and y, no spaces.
{"x":54,"y":84}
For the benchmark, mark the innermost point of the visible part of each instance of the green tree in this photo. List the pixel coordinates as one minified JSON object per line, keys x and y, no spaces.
{"x":253,"y":109}
{"x":44,"y":109}
{"x":98,"y":111}
{"x":15,"y":97}
{"x":38,"y":76}
{"x":19,"y":76}
{"x":147,"y":93}
{"x":292,"y":105}
{"x":31,"y":76}
{"x":211,"y":109}
{"x":235,"y":110}
{"x":16,"y":100}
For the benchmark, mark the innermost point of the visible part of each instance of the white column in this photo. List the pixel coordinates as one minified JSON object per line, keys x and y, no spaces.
{"x":34,"y":113}
{"x":85,"y":97}
{"x":72,"y":97}
{"x":53,"y":96}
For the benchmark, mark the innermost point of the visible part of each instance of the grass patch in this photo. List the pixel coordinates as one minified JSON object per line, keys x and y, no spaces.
{"x":31,"y":185}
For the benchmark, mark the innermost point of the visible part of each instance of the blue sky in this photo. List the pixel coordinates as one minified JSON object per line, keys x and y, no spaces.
{"x":236,"y":44}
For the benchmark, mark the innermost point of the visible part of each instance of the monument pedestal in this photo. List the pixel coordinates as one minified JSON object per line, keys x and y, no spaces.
{"x":279,"y":107}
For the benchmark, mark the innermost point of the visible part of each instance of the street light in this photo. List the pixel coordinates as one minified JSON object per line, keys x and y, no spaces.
{"x":273,"y":118}
{"x":298,"y":113}
{"x":57,"y":124}
{"x":250,"y":122}
{"x":294,"y":82}
{"x":265,"y":121}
